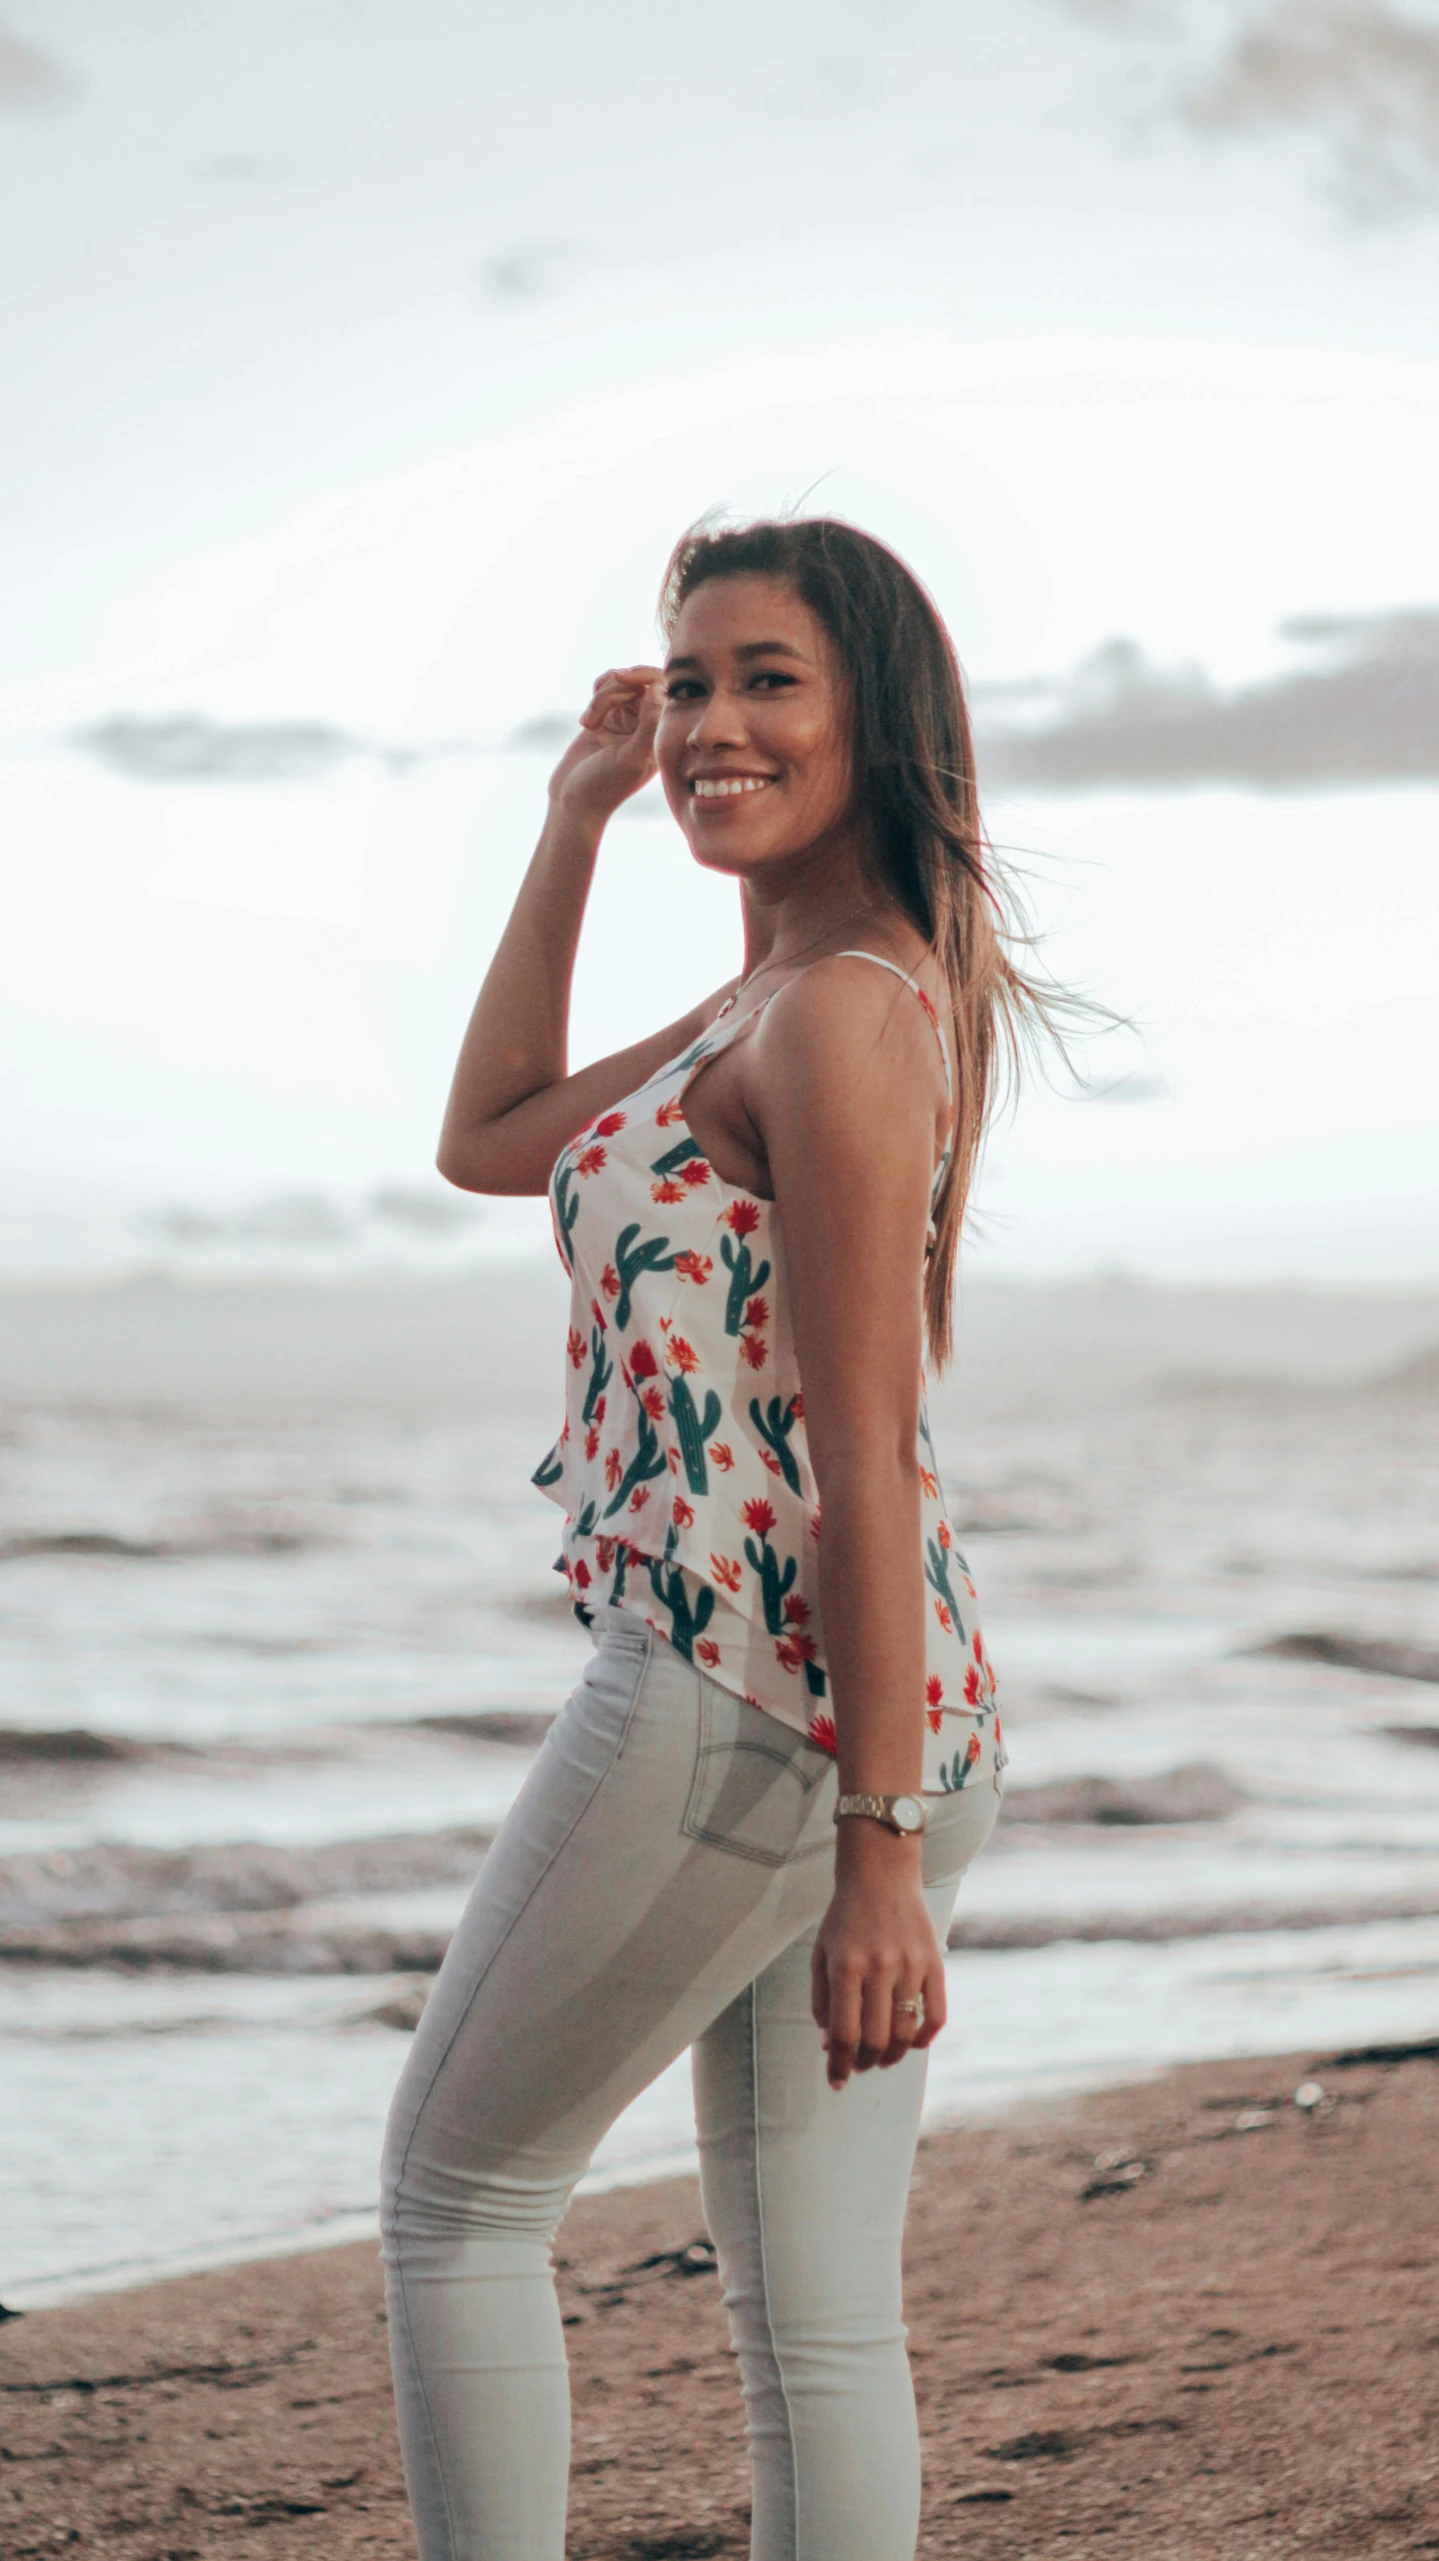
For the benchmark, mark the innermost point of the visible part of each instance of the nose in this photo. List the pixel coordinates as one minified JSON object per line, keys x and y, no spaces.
{"x":718,"y":721}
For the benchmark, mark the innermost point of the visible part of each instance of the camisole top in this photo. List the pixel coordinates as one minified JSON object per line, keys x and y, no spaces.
{"x":683,"y":1467}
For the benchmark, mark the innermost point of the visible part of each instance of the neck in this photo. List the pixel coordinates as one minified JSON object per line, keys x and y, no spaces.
{"x":795,"y":904}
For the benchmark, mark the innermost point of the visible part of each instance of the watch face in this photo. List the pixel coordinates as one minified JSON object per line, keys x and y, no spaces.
{"x":908,"y":1813}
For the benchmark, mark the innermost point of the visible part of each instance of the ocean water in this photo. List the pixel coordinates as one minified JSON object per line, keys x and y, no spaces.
{"x":278,"y":1630}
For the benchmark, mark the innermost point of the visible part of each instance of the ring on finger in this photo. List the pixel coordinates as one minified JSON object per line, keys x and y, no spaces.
{"x":908,"y":2009}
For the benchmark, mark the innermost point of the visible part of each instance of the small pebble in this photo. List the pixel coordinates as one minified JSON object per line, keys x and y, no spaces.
{"x":1250,"y":2119}
{"x":1310,"y":2094}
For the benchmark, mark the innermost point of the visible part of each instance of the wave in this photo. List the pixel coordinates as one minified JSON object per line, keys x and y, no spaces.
{"x":115,"y":1883}
{"x":526,"y":1726}
{"x":65,"y":1743}
{"x":241,"y":1541}
{"x":1390,"y":1655}
{"x":314,"y":1941}
{"x":1194,"y":1921}
{"x":1195,"y":1793}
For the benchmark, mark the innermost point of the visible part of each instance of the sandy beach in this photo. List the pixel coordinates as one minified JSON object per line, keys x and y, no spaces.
{"x":1185,"y":2319}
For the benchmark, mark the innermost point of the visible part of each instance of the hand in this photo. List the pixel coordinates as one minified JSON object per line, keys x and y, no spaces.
{"x":876,"y":1946}
{"x":614,"y":755}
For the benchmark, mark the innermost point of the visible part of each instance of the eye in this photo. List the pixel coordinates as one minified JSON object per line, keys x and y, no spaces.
{"x":681,"y":689}
{"x":772,"y":676}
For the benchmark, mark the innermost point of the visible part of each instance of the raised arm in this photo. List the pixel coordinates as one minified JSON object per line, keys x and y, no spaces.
{"x":847,"y":1089}
{"x":513,"y":1103}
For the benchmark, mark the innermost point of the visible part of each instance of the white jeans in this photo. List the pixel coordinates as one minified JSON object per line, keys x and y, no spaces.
{"x":657,"y":1885}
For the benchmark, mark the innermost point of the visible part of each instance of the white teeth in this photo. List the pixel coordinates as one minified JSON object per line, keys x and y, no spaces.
{"x":724,"y":790}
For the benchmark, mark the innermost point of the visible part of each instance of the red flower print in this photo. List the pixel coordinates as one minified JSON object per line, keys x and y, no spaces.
{"x":672,"y":1460}
{"x":639,"y":1498}
{"x":694,"y":1267}
{"x":941,"y":1611}
{"x":969,"y":1587}
{"x":821,"y":1731}
{"x":683,"y":1355}
{"x":592,"y":1441}
{"x":582,"y":1575}
{"x":768,"y":1459}
{"x":796,"y":1610}
{"x":589,"y":1160}
{"x":564,"y":1436}
{"x":575,"y":1346}
{"x":669,"y":1112}
{"x":609,"y":1127}
{"x":614,"y":1468}
{"x":972,"y":1755}
{"x":609,"y":1282}
{"x":933,"y":1690}
{"x":934,"y":1718}
{"x":683,"y":1513}
{"x":707,"y":1650}
{"x":652,"y":1399}
{"x":757,"y":1312}
{"x":796,"y":1406}
{"x":600,"y":1409}
{"x":754,"y":1349}
{"x":757,"y":1515}
{"x":944,"y":1535}
{"x":598,"y":1312}
{"x":667,"y":1192}
{"x":722,"y":1455}
{"x":978,"y":1648}
{"x":971,"y":1686}
{"x":726,"y":1572}
{"x":605,"y":1554}
{"x":930,"y":1484}
{"x":643,"y":1363}
{"x":741,"y":1217}
{"x":695,"y":1172}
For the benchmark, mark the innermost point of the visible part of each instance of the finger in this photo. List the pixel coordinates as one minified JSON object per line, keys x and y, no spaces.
{"x":844,"y":2026}
{"x":877,"y":2013}
{"x":819,"y":1990}
{"x":906,"y":2022}
{"x":625,"y":700}
{"x":936,"y":2001}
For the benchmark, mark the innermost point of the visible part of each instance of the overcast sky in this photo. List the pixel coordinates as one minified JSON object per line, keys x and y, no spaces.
{"x":372,"y":360}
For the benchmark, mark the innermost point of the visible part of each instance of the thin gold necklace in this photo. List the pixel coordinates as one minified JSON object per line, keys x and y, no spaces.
{"x":866,"y":908}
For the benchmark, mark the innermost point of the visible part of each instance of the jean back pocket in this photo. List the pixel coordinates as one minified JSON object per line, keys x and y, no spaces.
{"x":757,"y":1783}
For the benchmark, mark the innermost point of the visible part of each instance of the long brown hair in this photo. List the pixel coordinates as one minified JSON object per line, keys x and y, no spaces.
{"x":914,"y":774}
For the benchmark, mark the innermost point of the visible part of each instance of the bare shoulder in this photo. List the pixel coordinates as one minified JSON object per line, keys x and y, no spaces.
{"x":845,"y":1016}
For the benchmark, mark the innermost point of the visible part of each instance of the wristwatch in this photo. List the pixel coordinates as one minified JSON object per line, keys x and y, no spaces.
{"x":904,"y":1814}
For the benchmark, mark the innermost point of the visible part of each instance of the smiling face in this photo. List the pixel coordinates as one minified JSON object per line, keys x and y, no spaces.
{"x":754,"y":739}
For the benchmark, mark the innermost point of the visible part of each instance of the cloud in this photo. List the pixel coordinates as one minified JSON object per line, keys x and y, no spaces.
{"x":1356,"y":76}
{"x":526,"y":271}
{"x":1366,"y":712}
{"x":1357,"y":80}
{"x":546,"y":730}
{"x":190,"y":747}
{"x":29,"y":78}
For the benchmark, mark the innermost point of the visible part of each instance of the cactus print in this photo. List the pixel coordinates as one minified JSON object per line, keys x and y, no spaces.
{"x":683,"y":1467}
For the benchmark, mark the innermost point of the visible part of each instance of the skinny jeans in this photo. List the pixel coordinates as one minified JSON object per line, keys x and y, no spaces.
{"x":658,"y":1884}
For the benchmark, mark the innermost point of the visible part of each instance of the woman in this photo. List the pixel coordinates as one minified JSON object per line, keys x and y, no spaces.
{"x":746,"y":1829}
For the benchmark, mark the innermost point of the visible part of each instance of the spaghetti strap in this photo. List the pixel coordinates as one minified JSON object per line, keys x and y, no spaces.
{"x":880,"y":962}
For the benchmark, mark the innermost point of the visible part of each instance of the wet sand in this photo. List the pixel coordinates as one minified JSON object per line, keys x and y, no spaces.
{"x":1186,"y":2319}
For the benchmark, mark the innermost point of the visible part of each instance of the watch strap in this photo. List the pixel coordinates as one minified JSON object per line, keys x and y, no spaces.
{"x":880,"y":1809}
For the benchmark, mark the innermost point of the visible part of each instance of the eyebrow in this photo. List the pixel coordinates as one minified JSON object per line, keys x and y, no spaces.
{"x":747,"y":649}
